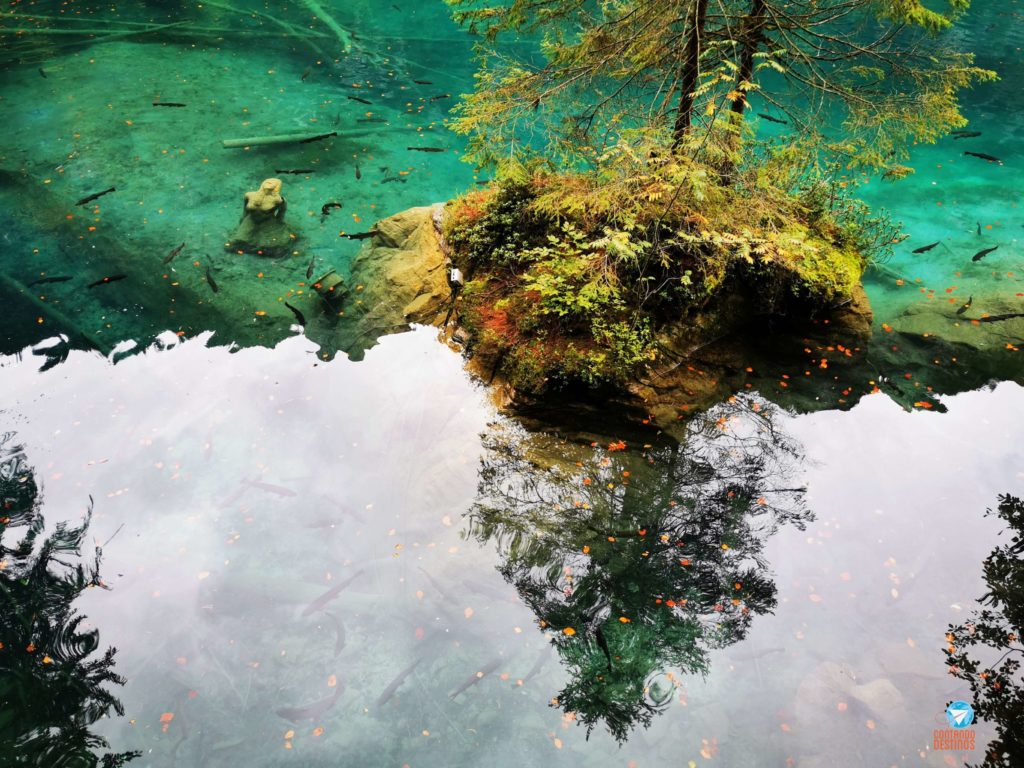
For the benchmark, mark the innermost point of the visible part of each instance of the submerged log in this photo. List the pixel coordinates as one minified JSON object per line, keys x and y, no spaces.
{"x":343,"y":35}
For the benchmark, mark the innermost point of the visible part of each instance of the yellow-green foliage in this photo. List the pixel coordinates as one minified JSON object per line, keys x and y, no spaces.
{"x":573,"y":273}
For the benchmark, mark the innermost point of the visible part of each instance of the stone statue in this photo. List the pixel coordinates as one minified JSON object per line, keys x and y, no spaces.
{"x":262,"y":229}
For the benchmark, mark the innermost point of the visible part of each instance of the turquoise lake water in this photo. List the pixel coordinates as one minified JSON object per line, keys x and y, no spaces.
{"x":240,"y":470}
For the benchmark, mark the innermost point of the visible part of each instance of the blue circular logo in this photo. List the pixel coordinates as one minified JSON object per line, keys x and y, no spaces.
{"x":960,"y":714}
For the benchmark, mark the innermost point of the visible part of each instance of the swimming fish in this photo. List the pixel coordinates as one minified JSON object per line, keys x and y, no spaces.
{"x":926,"y":248}
{"x":309,"y":269}
{"x":389,"y":179}
{"x":305,"y":73}
{"x":771,"y":119}
{"x":371,"y":120}
{"x":966,"y":306}
{"x":537,"y":665}
{"x":105,"y":280}
{"x":361,"y":235}
{"x":1000,"y":318}
{"x":96,"y":195}
{"x":168,"y":104}
{"x":297,"y":171}
{"x":440,"y":96}
{"x":310,"y":711}
{"x":979,"y":227}
{"x":211,"y":281}
{"x":271,"y":488}
{"x":359,"y":173}
{"x":395,"y":684}
{"x":321,"y":137}
{"x":339,"y":638}
{"x":325,"y":209}
{"x":41,"y":73}
{"x":983,"y":253}
{"x":298,"y":315}
{"x":361,"y":101}
{"x":965,"y":134}
{"x":170,"y":256}
{"x":41,"y":280}
{"x":983,"y":156}
{"x":477,"y":676}
{"x":329,"y":595}
{"x":426,"y":149}
{"x":436,"y":585}
{"x":423,"y":82}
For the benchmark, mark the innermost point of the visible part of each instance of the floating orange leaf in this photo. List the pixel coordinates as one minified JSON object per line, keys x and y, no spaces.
{"x":332,"y":681}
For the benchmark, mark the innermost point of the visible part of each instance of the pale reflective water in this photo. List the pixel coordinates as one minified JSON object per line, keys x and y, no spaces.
{"x":240,"y":488}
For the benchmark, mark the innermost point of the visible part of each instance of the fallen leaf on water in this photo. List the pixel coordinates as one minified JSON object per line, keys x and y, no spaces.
{"x":446,"y":520}
{"x":166,"y":717}
{"x":815,"y":598}
{"x":870,"y":724}
{"x":332,"y":681}
{"x":289,"y":734}
{"x":841,"y":706}
{"x":468,"y":613}
{"x":318,"y":731}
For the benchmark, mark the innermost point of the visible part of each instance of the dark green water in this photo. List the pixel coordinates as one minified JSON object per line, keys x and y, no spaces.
{"x":241,"y":484}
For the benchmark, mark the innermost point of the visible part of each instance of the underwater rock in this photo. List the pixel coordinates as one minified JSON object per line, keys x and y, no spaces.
{"x":262,"y":229}
{"x":399,"y":275}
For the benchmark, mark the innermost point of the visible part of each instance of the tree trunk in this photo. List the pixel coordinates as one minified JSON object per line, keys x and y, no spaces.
{"x":752,"y":38}
{"x":690,"y":72}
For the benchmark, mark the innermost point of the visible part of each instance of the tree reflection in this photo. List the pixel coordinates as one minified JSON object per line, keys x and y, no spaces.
{"x":987,"y":651}
{"x":51,"y":685}
{"x":640,"y":562}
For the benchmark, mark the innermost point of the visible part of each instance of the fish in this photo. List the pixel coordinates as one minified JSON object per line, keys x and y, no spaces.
{"x":298,"y":315}
{"x":309,"y":269}
{"x":56,"y":279}
{"x":359,"y":173}
{"x":325,"y":209}
{"x":983,"y":156}
{"x":361,"y":235}
{"x":966,"y":306}
{"x":339,"y":638}
{"x":979,"y":227}
{"x":602,"y":643}
{"x":926,"y":248}
{"x":389,"y":179}
{"x":305,"y":73}
{"x":1000,"y":318}
{"x":310,"y":711}
{"x":271,"y":488}
{"x":104,"y":280}
{"x":965,"y":134}
{"x":96,"y":195}
{"x":361,"y":101}
{"x":477,"y":676}
{"x":983,"y":253}
{"x":320,"y":137}
{"x":440,"y":96}
{"x":423,"y":82}
{"x":329,"y":595}
{"x":437,"y":585}
{"x":537,"y":666}
{"x":371,"y":120}
{"x":297,"y":171}
{"x":337,"y":119}
{"x":41,"y":73}
{"x":771,"y":119}
{"x":426,"y":149}
{"x":211,"y":281}
{"x":169,"y":104}
{"x":170,"y":256}
{"x":395,"y":684}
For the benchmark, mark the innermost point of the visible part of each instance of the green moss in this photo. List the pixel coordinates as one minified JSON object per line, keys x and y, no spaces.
{"x":573,"y":274}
